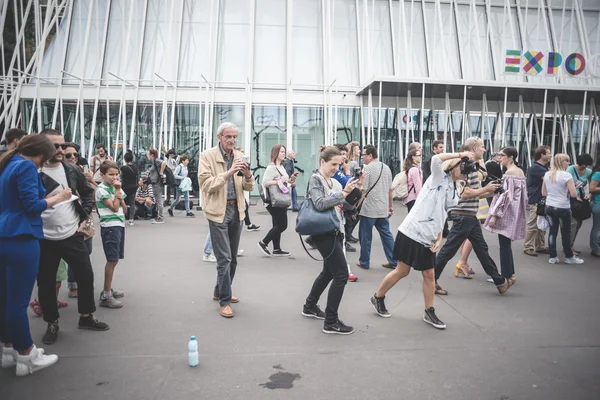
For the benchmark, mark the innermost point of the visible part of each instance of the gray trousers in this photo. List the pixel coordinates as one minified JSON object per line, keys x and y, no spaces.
{"x":158,"y":190}
{"x":225,"y":238}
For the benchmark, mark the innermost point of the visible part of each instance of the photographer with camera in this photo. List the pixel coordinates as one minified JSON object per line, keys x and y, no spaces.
{"x":465,"y":223}
{"x":508,"y":211}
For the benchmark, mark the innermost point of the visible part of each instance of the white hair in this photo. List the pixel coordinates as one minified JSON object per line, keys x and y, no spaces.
{"x":225,"y":125}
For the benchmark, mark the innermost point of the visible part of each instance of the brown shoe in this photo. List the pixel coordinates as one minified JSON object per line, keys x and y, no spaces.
{"x":505,"y":286}
{"x":233,"y":299}
{"x":543,"y":251}
{"x":226,"y":312}
{"x":530,"y":252}
{"x":388,"y":265}
{"x":440,"y":291}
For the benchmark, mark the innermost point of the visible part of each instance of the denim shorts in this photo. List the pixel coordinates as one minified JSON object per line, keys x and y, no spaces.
{"x":113,"y":241}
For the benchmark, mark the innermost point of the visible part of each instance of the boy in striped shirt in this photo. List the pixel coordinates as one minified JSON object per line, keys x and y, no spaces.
{"x":111,"y":209}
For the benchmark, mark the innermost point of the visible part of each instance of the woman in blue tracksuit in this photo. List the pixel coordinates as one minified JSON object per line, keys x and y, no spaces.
{"x":22,"y":201}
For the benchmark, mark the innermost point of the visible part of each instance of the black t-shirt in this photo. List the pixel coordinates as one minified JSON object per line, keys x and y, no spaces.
{"x":494,"y":170}
{"x":129,"y":176}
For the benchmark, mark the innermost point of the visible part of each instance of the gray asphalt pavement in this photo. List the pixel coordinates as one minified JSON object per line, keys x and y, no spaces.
{"x":539,"y":341}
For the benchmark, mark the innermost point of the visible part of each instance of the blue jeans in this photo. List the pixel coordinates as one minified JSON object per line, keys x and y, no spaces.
{"x":559,"y":217}
{"x":294,"y":199}
{"x":186,"y":195}
{"x":19,"y":263}
{"x":595,"y":233}
{"x":208,"y":249}
{"x":365,"y":235}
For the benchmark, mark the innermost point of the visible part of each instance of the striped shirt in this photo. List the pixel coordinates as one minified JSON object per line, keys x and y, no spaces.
{"x":107,"y":216}
{"x":470,"y":205}
{"x":145,"y":193}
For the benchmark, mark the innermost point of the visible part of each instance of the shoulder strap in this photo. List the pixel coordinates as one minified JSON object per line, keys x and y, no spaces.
{"x":376,"y":182}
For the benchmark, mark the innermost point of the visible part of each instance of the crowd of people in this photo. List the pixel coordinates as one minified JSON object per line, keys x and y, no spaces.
{"x":49,"y":192}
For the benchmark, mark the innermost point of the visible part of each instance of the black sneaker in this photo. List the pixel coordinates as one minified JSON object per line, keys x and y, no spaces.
{"x":281,"y":253}
{"x":190,"y":215}
{"x":338,"y":328}
{"x":314,"y":312}
{"x":170,"y":212}
{"x":91,"y":323}
{"x":432,"y":319}
{"x":264,"y":248}
{"x":349,"y":248}
{"x":351,"y":239}
{"x":310,"y":242}
{"x":252,"y":228}
{"x":51,"y":333}
{"x":379,"y":305}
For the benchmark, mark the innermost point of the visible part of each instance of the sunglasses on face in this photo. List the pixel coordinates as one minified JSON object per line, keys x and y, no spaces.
{"x":69,"y":155}
{"x":62,"y":146}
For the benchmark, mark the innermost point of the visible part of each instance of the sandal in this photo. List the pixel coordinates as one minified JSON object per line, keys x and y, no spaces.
{"x":36,"y":308}
{"x":440,"y":291}
{"x":461,"y":271}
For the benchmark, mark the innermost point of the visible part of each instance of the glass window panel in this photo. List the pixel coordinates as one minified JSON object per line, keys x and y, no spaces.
{"x":122,"y":56}
{"x":476,"y":54}
{"x":443,"y":46}
{"x":229,"y":113}
{"x":381,"y":38}
{"x":232,"y":48}
{"x":269,"y":45}
{"x":268,"y":128}
{"x":307,"y":55}
{"x":308,"y":135}
{"x":194,"y":56}
{"x":410,"y":39}
{"x":344,"y":49}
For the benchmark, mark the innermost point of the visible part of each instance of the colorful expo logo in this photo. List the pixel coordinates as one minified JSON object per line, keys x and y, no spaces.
{"x":532,"y":62}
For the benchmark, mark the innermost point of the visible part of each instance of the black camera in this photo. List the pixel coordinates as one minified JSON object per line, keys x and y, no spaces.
{"x":501,"y":189}
{"x":467,"y":167}
{"x":357,"y":173}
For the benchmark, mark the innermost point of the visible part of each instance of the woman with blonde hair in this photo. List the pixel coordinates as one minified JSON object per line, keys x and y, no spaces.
{"x":557,"y":187}
{"x":353,"y":155}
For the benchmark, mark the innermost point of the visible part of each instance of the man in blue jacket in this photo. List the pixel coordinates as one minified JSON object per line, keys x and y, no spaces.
{"x":63,"y":240}
{"x":535,"y":239}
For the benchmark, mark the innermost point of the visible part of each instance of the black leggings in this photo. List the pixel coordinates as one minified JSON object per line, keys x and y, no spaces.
{"x":280,"y":223}
{"x":130,"y":200}
{"x":247,"y":216}
{"x":334,"y":268}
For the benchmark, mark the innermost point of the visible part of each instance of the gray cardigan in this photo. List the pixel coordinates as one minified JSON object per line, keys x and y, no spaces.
{"x":322,"y":201}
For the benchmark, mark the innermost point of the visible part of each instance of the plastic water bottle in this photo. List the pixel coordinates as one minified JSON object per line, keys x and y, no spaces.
{"x":193,"y":352}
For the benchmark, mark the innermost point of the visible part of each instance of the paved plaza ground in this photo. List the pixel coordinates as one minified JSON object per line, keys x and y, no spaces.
{"x":539,"y":341}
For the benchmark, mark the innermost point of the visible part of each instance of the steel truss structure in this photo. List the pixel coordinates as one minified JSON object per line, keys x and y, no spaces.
{"x":135,"y":74}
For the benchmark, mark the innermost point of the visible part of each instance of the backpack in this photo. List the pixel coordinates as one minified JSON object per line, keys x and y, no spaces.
{"x":400,"y":185}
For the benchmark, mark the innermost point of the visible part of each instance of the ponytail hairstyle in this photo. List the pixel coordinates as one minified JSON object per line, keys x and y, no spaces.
{"x":328,"y":152}
{"x":408,"y":161}
{"x":30,"y":146}
{"x":128,"y":156}
{"x":512,"y":153}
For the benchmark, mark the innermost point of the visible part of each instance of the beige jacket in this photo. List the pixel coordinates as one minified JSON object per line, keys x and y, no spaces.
{"x":212,"y":178}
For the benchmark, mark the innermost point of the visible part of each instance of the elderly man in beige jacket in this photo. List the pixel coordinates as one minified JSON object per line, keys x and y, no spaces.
{"x":223,"y":177}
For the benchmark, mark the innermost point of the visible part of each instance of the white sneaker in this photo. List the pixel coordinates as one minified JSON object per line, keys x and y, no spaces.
{"x":554,"y":260}
{"x":209,"y":258}
{"x":158,"y":221}
{"x":9,"y":357}
{"x":130,"y":222}
{"x":240,"y":252}
{"x":35,"y":361}
{"x":573,"y":260}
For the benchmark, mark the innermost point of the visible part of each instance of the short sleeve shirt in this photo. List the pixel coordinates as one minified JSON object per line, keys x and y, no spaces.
{"x":107,"y":216}
{"x":596,"y":177}
{"x":377,"y":203}
{"x":558,"y":193}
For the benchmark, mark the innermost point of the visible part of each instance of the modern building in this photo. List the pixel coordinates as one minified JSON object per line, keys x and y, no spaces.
{"x":139,"y":73}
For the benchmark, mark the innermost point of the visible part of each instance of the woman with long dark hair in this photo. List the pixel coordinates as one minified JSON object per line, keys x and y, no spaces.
{"x":129,"y":177}
{"x":22,"y":201}
{"x":595,"y":193}
{"x":557,"y":187}
{"x":274,"y":174}
{"x":327,"y":193}
{"x":508,"y":212}
{"x":414,"y":177}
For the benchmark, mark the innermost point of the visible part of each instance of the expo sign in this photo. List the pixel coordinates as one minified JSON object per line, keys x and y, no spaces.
{"x":533,"y":62}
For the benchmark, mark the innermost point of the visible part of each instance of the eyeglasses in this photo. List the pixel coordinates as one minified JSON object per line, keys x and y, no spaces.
{"x":69,"y":155}
{"x":62,"y":146}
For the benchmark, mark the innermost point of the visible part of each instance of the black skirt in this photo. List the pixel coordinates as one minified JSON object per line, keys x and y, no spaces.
{"x":413,"y":253}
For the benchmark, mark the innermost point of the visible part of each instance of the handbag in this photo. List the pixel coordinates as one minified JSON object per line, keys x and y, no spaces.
{"x":311,"y":222}
{"x":580,"y":209}
{"x":87,"y":227}
{"x":279,"y":198}
{"x":541,"y":208}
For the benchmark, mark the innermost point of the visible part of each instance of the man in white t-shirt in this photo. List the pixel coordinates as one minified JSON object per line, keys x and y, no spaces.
{"x":63,"y":240}
{"x":375,"y":209}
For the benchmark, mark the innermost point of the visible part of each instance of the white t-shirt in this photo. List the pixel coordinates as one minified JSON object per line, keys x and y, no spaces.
{"x":558,"y":193}
{"x":61,"y":222}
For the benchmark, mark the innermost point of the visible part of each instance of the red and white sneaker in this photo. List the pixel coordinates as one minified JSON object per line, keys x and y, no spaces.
{"x":352,"y":277}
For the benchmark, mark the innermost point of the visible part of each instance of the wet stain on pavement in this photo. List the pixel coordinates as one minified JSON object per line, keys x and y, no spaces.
{"x":280,"y":380}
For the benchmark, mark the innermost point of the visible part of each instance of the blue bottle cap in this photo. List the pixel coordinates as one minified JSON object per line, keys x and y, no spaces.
{"x":193,"y":338}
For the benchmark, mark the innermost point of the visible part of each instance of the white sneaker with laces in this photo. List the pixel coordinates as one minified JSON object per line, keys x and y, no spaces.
{"x":130,"y":222}
{"x":9,"y":357}
{"x":554,"y":260}
{"x":35,"y":361}
{"x":209,"y":258}
{"x":240,"y":252}
{"x":573,"y":260}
